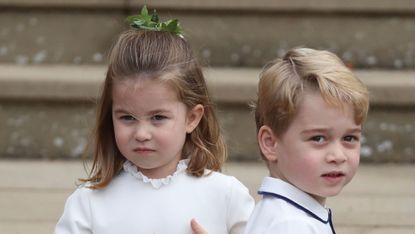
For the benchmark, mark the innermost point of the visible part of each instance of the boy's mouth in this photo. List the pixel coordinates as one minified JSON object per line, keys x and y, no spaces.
{"x":333,"y":174}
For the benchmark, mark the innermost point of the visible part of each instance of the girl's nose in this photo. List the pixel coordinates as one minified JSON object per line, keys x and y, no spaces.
{"x":142,"y":133}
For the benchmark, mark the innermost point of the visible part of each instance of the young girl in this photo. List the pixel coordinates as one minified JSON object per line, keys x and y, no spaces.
{"x":157,"y":149}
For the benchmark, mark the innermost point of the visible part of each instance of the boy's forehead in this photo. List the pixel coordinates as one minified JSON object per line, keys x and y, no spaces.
{"x":313,"y":106}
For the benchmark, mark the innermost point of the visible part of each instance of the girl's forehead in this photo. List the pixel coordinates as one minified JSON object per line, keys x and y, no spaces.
{"x":142,"y":83}
{"x":143,"y":91}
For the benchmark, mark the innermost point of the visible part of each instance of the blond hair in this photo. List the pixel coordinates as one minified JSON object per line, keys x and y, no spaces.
{"x":284,"y":81}
{"x":167,"y":57}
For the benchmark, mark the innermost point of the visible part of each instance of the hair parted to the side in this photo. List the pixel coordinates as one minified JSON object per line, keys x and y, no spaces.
{"x":167,"y":57}
{"x":284,"y":81}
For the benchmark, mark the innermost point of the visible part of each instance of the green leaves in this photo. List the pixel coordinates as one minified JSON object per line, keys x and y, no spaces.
{"x":144,"y":21}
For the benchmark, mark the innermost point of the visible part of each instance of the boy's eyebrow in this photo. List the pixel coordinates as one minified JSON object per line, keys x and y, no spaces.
{"x":355,"y":130}
{"x":352,"y":130}
{"x":307,"y":131}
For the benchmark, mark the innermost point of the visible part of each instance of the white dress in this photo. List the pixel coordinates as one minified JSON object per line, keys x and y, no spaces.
{"x":285,"y":209}
{"x":133,"y":203}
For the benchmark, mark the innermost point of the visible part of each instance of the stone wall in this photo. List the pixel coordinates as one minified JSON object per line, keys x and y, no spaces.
{"x":224,"y":33}
{"x":53,"y":56}
{"x":48,"y":111}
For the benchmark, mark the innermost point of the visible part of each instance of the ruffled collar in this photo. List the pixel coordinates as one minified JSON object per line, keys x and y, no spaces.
{"x":156,"y":183}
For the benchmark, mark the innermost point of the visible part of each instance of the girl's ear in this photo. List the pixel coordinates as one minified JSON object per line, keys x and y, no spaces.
{"x":193,"y":117}
{"x":268,"y":143}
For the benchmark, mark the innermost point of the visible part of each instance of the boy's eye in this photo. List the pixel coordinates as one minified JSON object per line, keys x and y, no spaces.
{"x":318,"y":139}
{"x":351,"y":138}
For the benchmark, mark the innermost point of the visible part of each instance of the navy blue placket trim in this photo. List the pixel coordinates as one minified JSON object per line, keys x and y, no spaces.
{"x":301,"y":208}
{"x":331,"y":222}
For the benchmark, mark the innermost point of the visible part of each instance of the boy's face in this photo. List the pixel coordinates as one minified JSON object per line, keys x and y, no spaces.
{"x":319,"y":153}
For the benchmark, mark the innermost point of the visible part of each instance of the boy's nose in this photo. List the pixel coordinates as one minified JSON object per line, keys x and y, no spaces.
{"x":336,"y":154}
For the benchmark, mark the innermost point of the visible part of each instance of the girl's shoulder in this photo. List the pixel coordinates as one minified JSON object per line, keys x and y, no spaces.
{"x":218,"y":176}
{"x":79,"y":198}
{"x":231,"y":192}
{"x":84,"y":193}
{"x":86,"y":189}
{"x":83,"y":190}
{"x":220,"y":180}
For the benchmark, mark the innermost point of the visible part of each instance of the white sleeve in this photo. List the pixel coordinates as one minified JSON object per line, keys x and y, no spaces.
{"x":76,"y":217}
{"x":240,"y":207}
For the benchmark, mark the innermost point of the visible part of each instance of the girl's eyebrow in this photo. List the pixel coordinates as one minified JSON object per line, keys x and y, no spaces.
{"x":119,"y":110}
{"x":158,"y":111}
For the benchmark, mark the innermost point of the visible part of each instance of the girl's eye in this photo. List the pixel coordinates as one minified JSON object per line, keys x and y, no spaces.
{"x":158,"y":117}
{"x":318,"y":139}
{"x":127,"y":117}
{"x":351,"y":138}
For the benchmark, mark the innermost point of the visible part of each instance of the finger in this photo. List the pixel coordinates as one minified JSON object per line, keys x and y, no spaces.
{"x":197,"y":229}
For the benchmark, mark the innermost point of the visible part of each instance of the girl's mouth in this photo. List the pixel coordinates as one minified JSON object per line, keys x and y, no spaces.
{"x":143,"y":150}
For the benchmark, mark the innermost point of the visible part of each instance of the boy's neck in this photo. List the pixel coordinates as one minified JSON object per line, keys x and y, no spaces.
{"x":321,"y":200}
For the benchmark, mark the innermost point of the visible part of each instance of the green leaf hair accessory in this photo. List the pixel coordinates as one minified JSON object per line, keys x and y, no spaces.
{"x":144,"y":21}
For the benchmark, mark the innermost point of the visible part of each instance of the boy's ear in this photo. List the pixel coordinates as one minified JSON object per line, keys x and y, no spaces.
{"x":193,"y":117}
{"x":267,"y":143}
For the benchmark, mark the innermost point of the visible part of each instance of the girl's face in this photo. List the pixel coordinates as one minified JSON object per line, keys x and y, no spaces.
{"x":319,"y":153}
{"x":150,"y":124}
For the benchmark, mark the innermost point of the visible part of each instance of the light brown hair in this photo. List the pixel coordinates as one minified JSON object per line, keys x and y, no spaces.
{"x":284,"y":81}
{"x":167,"y":57}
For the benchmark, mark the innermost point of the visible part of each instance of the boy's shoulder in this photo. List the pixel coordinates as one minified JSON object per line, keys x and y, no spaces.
{"x":272,"y":215}
{"x":297,"y":211}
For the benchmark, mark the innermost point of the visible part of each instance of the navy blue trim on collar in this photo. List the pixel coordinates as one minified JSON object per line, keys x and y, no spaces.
{"x":301,"y":208}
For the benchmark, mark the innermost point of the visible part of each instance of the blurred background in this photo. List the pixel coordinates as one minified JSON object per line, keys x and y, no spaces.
{"x":52,"y":62}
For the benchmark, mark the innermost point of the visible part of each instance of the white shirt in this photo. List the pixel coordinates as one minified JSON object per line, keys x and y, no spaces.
{"x":286,"y":209}
{"x":133,"y":203}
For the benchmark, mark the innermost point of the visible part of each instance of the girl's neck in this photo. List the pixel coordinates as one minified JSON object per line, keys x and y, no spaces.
{"x":159,"y":174}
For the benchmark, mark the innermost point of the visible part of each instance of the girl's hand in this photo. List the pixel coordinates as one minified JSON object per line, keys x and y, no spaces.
{"x":197,"y":229}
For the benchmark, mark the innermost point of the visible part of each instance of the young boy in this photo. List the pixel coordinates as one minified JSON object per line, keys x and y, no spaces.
{"x":309,"y":116}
